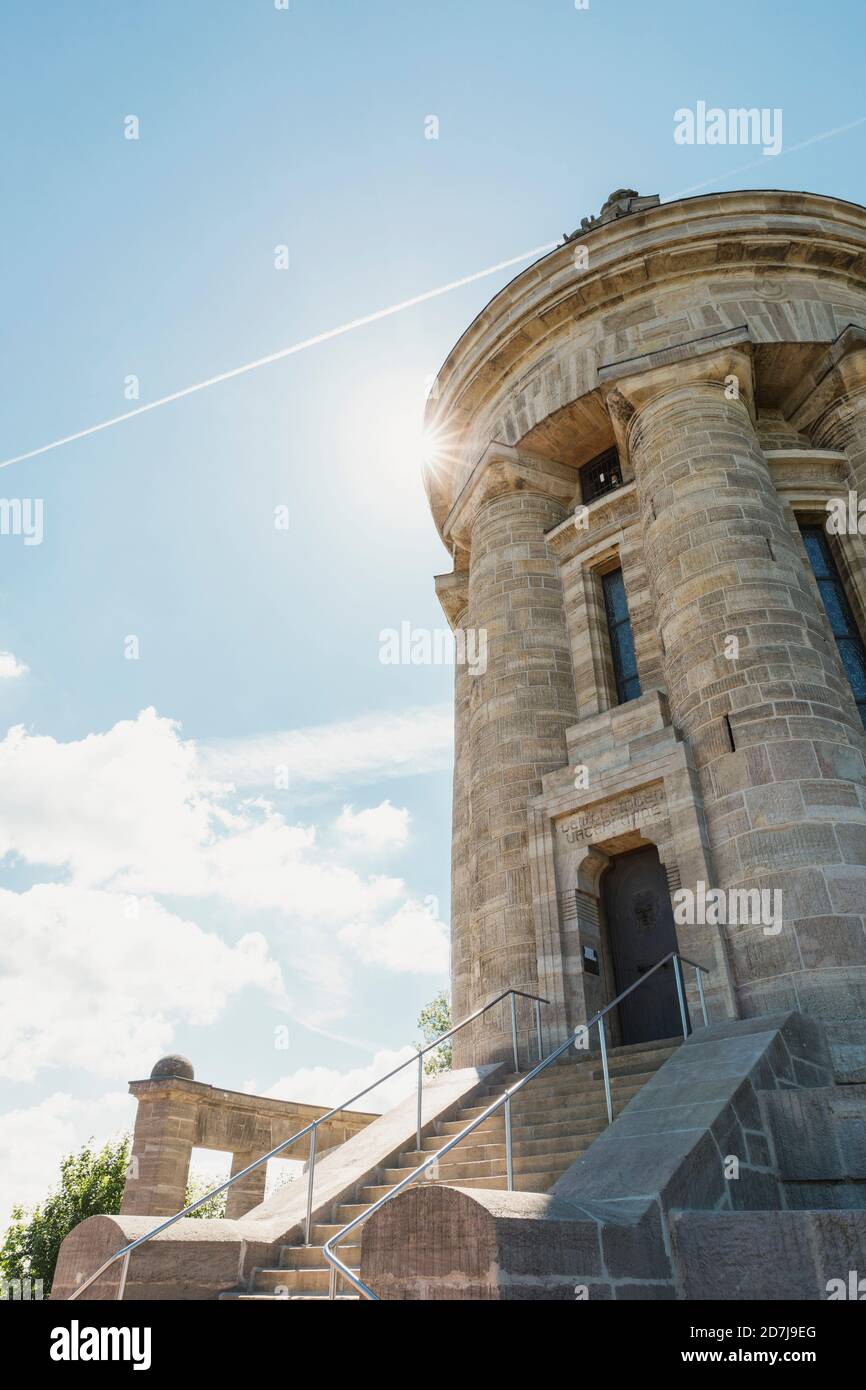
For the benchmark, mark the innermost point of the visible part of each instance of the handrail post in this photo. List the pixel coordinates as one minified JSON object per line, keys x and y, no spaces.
{"x":606,"y":1074}
{"x":509,"y":1160}
{"x":678,"y":975}
{"x":538,"y":1028}
{"x":514,"y":1030}
{"x":332,"y":1284}
{"x":418,"y":1110}
{"x":310,"y":1180}
{"x":124,"y":1270}
{"x":699,"y":974}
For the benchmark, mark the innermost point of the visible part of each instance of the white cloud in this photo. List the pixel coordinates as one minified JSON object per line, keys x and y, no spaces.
{"x":115,"y":807}
{"x":129,"y":810}
{"x":83,"y":985}
{"x":33,"y":1141}
{"x":11,"y":668}
{"x":375,"y":829}
{"x":128,"y":816}
{"x":412,"y":941}
{"x":366,"y":749}
{"x":329,"y":1086}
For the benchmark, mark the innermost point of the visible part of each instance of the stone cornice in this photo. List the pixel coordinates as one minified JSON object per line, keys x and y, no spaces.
{"x":499,"y":471}
{"x":839,"y":374}
{"x":605,"y":518}
{"x":767,"y":237}
{"x":808,"y":478}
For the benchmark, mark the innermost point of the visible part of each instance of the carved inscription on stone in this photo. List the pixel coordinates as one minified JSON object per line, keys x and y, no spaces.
{"x":615,"y":817}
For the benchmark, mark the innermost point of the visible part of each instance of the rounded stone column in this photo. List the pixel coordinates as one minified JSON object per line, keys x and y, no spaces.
{"x":755,"y":683}
{"x":462,"y":864}
{"x":519,"y":707}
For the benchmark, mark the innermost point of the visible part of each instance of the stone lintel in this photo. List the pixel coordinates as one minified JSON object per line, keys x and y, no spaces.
{"x":500,"y":470}
{"x":198,"y":1092}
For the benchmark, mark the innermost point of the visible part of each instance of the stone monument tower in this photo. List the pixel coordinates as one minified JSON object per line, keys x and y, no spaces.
{"x":642,"y":443}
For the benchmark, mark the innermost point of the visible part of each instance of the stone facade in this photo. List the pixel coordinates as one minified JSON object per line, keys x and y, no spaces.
{"x":719,"y":344}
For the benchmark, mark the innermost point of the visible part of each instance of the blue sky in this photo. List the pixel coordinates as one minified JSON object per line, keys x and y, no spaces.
{"x":262,"y":906}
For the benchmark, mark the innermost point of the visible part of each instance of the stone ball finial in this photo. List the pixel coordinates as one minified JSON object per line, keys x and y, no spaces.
{"x":173,"y":1065}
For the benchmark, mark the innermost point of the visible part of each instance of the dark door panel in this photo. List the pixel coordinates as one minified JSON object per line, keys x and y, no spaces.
{"x":640,"y":924}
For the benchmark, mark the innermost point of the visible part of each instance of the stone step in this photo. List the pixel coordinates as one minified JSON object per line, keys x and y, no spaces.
{"x":313,"y":1256}
{"x":277,"y":1298}
{"x":321,"y":1232}
{"x":561,"y":1158}
{"x":585,"y":1087}
{"x":537,"y":1112}
{"x":652,"y":1053}
{"x":526,"y":1134}
{"x":523,"y":1182}
{"x":655,"y":1045}
{"x":470,"y":1151}
{"x":293,"y":1281}
{"x":457,"y":1172}
{"x":347,"y":1212}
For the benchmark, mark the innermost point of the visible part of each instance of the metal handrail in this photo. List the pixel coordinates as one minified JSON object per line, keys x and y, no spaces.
{"x":312,"y":1130}
{"x":329,"y":1249}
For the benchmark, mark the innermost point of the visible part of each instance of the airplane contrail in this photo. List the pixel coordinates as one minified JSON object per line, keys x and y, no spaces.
{"x":349,"y":327}
{"x":280,"y":354}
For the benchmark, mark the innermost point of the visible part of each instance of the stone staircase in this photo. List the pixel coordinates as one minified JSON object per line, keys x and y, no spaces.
{"x":554,"y":1120}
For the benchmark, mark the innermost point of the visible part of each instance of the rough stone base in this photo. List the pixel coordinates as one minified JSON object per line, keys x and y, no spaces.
{"x":696,"y":1147}
{"x":790,"y":1255}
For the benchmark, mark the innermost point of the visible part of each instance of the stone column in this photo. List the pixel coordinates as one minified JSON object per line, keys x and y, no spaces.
{"x":515,"y":713}
{"x":250,"y":1191}
{"x":462,"y":860}
{"x":166,"y":1125}
{"x":775,"y":735}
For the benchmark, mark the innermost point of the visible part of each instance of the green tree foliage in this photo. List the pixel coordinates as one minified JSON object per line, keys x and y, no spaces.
{"x":434,"y":1020}
{"x":91,"y":1184}
{"x":197,"y":1187}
